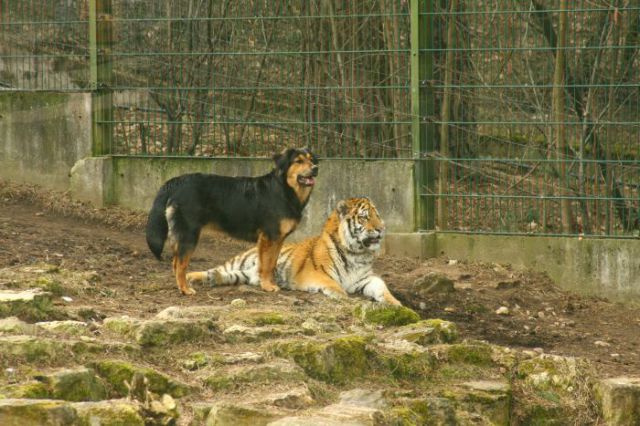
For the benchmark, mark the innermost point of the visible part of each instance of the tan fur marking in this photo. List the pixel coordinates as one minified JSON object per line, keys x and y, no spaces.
{"x":287,"y":226}
{"x":313,"y":278}
{"x":296,"y":169}
{"x":268,"y":252}
{"x":180,"y":267}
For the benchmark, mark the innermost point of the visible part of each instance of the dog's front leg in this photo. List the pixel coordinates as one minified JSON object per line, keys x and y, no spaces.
{"x":268,"y":251}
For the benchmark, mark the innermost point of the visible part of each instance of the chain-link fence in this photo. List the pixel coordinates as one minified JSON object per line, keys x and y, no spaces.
{"x":522,"y":116}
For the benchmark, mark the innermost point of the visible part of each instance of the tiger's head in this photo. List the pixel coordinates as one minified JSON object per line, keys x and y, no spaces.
{"x":361,"y":227}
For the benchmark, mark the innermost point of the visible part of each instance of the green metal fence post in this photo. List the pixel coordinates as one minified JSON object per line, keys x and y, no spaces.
{"x":422,"y":109}
{"x":100,"y":44}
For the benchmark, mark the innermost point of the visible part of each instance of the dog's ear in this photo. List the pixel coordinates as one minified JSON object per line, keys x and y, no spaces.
{"x":281,"y":160}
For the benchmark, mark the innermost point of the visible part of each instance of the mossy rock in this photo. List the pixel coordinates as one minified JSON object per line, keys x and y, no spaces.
{"x":78,"y":384}
{"x":490,"y":399}
{"x":161,"y":333}
{"x":32,"y":389}
{"x":403,"y":360}
{"x":14,"y":325}
{"x":67,"y":327}
{"x":108,"y":413}
{"x":233,"y":414}
{"x":259,"y":317}
{"x":433,"y":283}
{"x":620,"y":400}
{"x":337,"y":361}
{"x":234,"y":377}
{"x":33,"y":350}
{"x":28,"y":305}
{"x":116,"y":372}
{"x":428,"y":332}
{"x":479,"y":354}
{"x":385,"y":315}
{"x":36,"y":412}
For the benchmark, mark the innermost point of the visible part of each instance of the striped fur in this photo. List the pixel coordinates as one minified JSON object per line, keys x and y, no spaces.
{"x":337,"y":262}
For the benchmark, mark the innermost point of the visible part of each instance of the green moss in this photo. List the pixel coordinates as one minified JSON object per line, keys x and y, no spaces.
{"x":31,"y":389}
{"x":386,"y":315}
{"x":74,"y":385}
{"x":475,"y":354}
{"x":116,"y":372}
{"x":337,"y":361}
{"x":53,"y":286}
{"x":258,"y":317}
{"x":412,"y":366}
{"x":278,"y":371}
{"x":428,"y":332}
{"x":108,"y":413}
{"x":160,"y":333}
{"x":38,"y":309}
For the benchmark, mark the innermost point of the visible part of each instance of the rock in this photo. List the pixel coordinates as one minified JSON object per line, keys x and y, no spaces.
{"x":241,"y":333}
{"x":167,"y":332}
{"x":433,"y":283}
{"x":556,"y":389}
{"x":72,"y":328}
{"x":403,"y":360}
{"x":206,"y":312}
{"x":13,"y":325}
{"x":335,"y":415}
{"x":293,"y":399}
{"x":275,"y":371}
{"x":364,"y":398}
{"x":108,"y":413}
{"x":238,"y":303}
{"x":427,"y":332}
{"x":503,"y":310}
{"x":385,"y":315}
{"x":601,"y":343}
{"x":620,"y":400}
{"x":29,"y":305}
{"x":336,"y":361}
{"x":31,"y":389}
{"x":259,"y":317}
{"x":78,"y":384}
{"x":490,"y":399}
{"x":159,"y":332}
{"x":198,"y":360}
{"x":235,"y":414}
{"x":116,"y":372}
{"x":36,"y":412}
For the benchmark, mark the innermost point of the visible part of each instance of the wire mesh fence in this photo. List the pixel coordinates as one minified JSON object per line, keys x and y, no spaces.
{"x":516,"y":156}
{"x":534,"y":123}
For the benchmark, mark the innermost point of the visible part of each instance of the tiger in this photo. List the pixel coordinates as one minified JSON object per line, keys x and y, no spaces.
{"x":338,"y":262}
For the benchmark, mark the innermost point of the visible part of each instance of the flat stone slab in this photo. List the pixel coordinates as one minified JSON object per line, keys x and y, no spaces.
{"x":9,"y":296}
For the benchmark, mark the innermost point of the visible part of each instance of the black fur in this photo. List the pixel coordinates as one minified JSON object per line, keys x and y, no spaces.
{"x":239,"y":206}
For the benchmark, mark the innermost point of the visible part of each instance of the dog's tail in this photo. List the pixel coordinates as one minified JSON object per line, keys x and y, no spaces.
{"x":157,"y":226}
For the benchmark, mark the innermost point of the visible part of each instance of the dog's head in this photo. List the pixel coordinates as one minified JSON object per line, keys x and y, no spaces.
{"x":299,"y":166}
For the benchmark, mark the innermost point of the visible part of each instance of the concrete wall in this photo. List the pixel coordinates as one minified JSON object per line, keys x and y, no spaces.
{"x":42,"y":135}
{"x":605,"y":267}
{"x":389,"y":184}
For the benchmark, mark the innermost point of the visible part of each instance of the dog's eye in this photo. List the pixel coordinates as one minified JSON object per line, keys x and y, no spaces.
{"x":299,"y":161}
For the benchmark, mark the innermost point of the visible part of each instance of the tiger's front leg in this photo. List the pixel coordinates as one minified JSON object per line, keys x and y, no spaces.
{"x":376,"y":289}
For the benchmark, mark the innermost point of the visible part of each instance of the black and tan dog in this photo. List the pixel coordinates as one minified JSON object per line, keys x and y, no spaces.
{"x":265,"y":209}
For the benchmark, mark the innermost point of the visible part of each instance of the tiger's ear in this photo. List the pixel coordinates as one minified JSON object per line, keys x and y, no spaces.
{"x":342,"y":208}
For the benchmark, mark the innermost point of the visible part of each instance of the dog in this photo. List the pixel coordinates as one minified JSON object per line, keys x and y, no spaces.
{"x":263,"y":209}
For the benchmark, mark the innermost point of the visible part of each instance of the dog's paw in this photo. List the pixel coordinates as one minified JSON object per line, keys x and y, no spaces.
{"x":189,"y":291}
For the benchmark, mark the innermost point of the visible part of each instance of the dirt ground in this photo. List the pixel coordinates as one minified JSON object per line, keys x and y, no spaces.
{"x":38,"y":227}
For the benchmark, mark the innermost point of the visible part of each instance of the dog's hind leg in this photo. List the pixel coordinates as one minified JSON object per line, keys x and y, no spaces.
{"x":181,"y":263}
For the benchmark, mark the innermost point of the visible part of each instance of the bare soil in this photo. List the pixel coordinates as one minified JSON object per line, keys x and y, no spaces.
{"x":37,"y":227}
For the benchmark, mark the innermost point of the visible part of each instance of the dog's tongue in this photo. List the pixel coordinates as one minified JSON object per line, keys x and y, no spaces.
{"x":309,"y":181}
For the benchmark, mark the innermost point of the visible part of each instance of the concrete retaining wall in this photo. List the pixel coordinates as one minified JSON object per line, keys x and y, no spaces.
{"x":604,"y":267}
{"x":389,"y":184}
{"x":42,"y":135}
